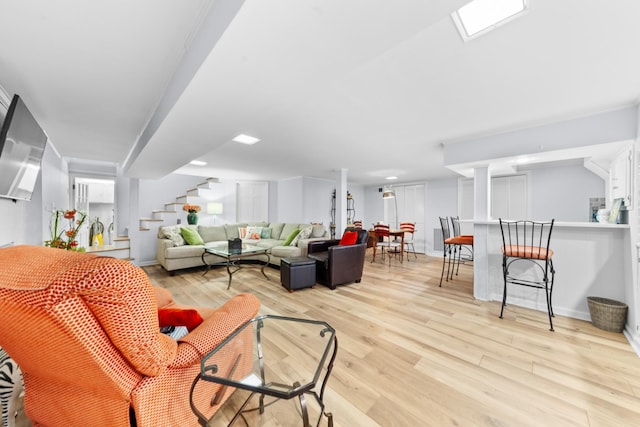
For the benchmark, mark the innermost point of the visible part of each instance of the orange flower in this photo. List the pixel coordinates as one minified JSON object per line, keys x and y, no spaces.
{"x":191,"y":208}
{"x":59,"y":234}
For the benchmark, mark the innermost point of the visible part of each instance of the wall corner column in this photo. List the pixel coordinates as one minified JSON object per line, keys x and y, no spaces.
{"x":482,"y":206}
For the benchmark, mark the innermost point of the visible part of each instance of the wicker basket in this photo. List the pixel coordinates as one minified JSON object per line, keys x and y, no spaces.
{"x":607,"y":314}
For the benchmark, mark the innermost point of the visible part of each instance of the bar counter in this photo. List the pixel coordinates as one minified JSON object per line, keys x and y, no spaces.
{"x":590,"y":259}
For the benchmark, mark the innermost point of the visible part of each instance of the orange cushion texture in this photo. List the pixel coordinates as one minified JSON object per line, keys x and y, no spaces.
{"x":520,"y":251}
{"x":179,"y":317}
{"x":163,"y":296}
{"x":96,"y":318}
{"x":349,"y":238}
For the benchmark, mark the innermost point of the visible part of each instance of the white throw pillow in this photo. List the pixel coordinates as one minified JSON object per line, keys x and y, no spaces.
{"x":317,"y":230}
{"x":242,"y":232}
{"x":174,"y":234}
{"x":305,"y":233}
{"x":254,"y":233}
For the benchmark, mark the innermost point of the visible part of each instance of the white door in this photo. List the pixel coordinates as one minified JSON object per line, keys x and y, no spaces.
{"x":413,"y":210}
{"x":253,"y":201}
{"x":82,"y":205}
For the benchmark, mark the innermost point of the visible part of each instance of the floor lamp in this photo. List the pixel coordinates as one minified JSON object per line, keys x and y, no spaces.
{"x":214,"y":208}
{"x":390,"y":194}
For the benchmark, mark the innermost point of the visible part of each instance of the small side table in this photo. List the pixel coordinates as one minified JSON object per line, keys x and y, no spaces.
{"x":297,"y":273}
{"x":312,"y":343}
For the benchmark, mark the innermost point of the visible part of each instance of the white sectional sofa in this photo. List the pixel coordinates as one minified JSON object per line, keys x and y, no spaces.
{"x":173,"y":253}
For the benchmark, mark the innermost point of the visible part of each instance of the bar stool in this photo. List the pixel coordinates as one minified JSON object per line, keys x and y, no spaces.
{"x":528,"y":242}
{"x":463,"y":241}
{"x":409,"y":230}
{"x":446,"y":246}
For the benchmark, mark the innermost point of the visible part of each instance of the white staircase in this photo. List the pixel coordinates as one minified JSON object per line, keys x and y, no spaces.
{"x":171,"y":209}
{"x":119,"y":249}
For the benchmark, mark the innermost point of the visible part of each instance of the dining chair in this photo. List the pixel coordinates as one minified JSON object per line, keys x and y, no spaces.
{"x":523,"y":242}
{"x":463,"y":242}
{"x":409,"y":231}
{"x":446,"y":246}
{"x":384,"y":240}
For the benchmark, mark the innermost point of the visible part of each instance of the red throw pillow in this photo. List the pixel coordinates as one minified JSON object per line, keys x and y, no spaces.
{"x":188,"y":317}
{"x":349,"y":238}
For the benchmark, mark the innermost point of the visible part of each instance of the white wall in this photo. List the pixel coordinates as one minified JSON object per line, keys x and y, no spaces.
{"x":13,"y":228}
{"x":290,"y":206}
{"x":307,"y":199}
{"x":442,"y":200}
{"x":54,"y":187}
{"x":373,"y":206}
{"x":316,"y":202}
{"x":27,"y":222}
{"x":563,"y":192}
{"x":153,"y":194}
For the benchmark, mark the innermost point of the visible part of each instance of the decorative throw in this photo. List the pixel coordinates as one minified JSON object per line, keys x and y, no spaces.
{"x":290,"y":237}
{"x":349,"y":238}
{"x":254,"y":233}
{"x":189,"y":318}
{"x":191,"y":236}
{"x":173,"y":233}
{"x":10,"y":387}
{"x":305,"y":233}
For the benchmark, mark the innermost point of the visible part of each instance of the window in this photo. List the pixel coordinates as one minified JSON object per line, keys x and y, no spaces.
{"x":481,"y":16}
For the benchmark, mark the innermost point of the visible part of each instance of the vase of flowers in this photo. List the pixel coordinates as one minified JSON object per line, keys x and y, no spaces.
{"x":192,"y":216}
{"x":62,"y":237}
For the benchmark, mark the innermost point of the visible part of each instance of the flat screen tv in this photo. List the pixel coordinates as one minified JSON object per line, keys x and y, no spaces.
{"x":22,"y":143}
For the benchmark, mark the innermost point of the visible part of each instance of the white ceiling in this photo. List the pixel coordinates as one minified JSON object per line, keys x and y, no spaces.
{"x":371,"y":86}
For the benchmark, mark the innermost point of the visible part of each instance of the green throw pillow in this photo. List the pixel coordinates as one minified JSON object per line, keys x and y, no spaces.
{"x":191,"y":236}
{"x":290,"y":237}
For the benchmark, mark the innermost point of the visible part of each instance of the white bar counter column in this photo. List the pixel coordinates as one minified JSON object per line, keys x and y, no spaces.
{"x":589,"y":259}
{"x":482,"y":204}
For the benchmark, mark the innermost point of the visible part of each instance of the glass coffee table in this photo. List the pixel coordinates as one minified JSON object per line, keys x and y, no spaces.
{"x":232,"y":257}
{"x":288,"y":360}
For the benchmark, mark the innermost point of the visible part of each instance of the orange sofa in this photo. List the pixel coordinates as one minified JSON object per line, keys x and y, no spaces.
{"x":84,"y":330}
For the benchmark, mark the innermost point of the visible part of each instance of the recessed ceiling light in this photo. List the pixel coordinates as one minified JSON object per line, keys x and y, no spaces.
{"x":245,"y":139}
{"x":197,"y":163}
{"x":481,"y":16}
{"x":523,"y":160}
{"x":391,"y":177}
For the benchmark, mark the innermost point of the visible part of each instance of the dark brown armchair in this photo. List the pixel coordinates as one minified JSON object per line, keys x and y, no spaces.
{"x":339,"y":264}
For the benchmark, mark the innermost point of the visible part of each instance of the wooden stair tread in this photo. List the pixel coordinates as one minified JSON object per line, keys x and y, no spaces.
{"x":105,"y":248}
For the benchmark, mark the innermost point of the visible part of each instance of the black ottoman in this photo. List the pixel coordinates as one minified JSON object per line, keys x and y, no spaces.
{"x":297,"y":273}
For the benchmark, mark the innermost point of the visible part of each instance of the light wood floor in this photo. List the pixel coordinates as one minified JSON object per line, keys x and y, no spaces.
{"x":413,"y":354}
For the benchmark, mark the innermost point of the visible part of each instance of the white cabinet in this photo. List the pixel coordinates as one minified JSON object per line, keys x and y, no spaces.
{"x":509,"y":197}
{"x":101,"y":192}
{"x":252,"y":200}
{"x":621,"y":176}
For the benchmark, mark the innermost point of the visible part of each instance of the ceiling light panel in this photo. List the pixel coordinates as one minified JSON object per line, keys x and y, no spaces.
{"x":245,"y":139}
{"x":481,"y":16}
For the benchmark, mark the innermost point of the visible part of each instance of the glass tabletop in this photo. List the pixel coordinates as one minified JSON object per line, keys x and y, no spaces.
{"x":287,"y":359}
{"x":223,"y":250}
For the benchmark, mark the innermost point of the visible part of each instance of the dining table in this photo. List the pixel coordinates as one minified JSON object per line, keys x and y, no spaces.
{"x":393,"y":232}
